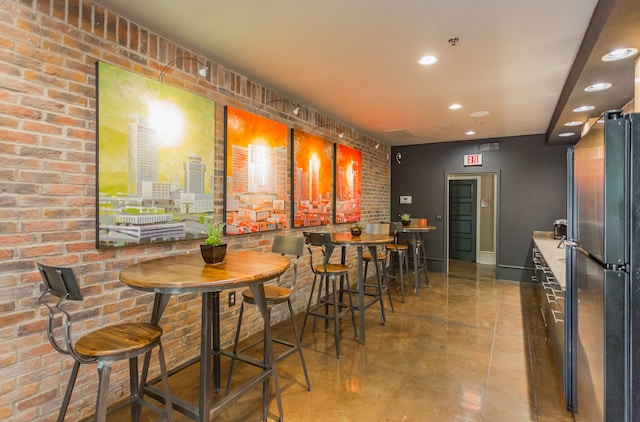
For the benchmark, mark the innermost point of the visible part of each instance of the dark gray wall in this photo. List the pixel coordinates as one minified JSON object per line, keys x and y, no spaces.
{"x":532,"y":192}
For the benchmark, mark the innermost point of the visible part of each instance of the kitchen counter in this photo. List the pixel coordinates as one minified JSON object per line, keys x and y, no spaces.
{"x":555,"y":257}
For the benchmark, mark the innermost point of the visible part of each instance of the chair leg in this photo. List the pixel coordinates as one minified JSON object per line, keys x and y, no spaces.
{"x":353,"y":315}
{"x":424,"y":263}
{"x":366,"y":268}
{"x":324,"y":283}
{"x":298,"y":345}
{"x":133,"y":388}
{"x":235,"y":346}
{"x":383,"y":318}
{"x":67,"y":394}
{"x":383,"y":275}
{"x":326,"y":302}
{"x":306,"y":314}
{"x":319,"y":300}
{"x":104,"y":371}
{"x":336,"y":325}
{"x":165,"y":383}
{"x":401,"y":262}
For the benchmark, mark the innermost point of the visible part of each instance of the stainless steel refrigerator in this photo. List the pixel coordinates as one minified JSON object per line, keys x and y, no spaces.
{"x":603,"y":273}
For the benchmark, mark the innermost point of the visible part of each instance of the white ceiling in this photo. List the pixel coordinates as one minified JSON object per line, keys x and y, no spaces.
{"x":356,"y":60}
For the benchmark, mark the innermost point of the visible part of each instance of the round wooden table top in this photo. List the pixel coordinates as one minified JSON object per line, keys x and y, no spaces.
{"x":189,"y":273}
{"x":345,"y":238}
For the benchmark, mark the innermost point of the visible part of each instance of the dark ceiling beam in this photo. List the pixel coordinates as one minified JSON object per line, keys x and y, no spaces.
{"x":596,"y":25}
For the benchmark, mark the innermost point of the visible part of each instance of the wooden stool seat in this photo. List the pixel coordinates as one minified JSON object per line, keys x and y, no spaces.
{"x":273,"y":294}
{"x":398,"y":247}
{"x":119,"y":341}
{"x":331,"y":269}
{"x":366,"y":256}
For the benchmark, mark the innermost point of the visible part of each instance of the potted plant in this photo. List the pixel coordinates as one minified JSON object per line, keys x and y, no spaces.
{"x":405,"y":219}
{"x":213,"y":250}
{"x":356,"y":230}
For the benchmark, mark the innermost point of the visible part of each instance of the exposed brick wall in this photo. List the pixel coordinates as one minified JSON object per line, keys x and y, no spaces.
{"x":48,"y":51}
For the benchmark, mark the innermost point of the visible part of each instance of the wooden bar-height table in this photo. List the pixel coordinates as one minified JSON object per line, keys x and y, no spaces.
{"x":417,"y":228}
{"x":188,"y":273}
{"x":370,"y":241}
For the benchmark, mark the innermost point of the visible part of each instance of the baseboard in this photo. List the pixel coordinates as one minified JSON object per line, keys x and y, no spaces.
{"x":488,"y":258}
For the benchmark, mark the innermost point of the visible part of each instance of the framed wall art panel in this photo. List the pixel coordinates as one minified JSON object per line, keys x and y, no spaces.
{"x":348,"y":184}
{"x":256,"y":171}
{"x":312,"y":177}
{"x":155,"y":160}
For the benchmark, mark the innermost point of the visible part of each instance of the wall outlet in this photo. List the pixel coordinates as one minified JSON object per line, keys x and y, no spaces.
{"x":232,"y":298}
{"x":438,"y":217}
{"x":406,"y":199}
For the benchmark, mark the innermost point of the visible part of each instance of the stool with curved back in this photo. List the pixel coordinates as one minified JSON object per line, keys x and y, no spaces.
{"x":274,"y":295}
{"x":417,"y":251}
{"x":103,"y":346}
{"x":401,"y":251}
{"x":333,"y":295}
{"x":381,"y":257}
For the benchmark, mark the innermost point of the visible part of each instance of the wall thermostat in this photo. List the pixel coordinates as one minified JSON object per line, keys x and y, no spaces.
{"x":405,"y":199}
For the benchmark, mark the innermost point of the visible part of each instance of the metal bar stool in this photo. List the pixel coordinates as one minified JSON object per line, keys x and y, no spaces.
{"x":400,"y":251}
{"x":328,"y":273}
{"x":274,"y":295}
{"x":381,"y":274}
{"x":103,"y":346}
{"x":418,"y":252}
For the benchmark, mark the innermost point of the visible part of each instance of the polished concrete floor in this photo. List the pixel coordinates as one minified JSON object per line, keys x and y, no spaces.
{"x":469,"y":348}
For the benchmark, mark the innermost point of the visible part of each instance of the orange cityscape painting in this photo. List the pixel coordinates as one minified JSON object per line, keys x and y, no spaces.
{"x":256,"y":171}
{"x":312,"y":180}
{"x":348,"y":175}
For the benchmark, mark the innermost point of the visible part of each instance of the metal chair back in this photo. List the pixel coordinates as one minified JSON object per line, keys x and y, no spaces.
{"x":377,"y":228}
{"x":61,"y":283}
{"x":394,"y":230}
{"x":289,"y":245}
{"x":321,"y":240}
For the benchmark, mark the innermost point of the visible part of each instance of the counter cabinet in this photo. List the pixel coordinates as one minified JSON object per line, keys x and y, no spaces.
{"x":551,"y":294}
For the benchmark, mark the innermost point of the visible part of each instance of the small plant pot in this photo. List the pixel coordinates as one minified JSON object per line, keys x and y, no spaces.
{"x":355,"y":232}
{"x":406,"y":222}
{"x":213,"y":254}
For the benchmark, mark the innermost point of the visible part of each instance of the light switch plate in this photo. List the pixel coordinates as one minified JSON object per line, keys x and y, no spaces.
{"x":405,"y":199}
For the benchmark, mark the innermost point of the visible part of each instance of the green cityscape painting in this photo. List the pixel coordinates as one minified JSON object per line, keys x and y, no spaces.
{"x":155,"y":162}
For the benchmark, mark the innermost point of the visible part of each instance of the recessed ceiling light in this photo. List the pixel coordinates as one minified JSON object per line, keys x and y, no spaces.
{"x":469,"y":133}
{"x":619,"y":54}
{"x":583,"y":108}
{"x":455,"y":107}
{"x":479,"y":114}
{"x":566,"y":134}
{"x":600,"y":86}
{"x":427,"y":60}
{"x":573,"y":123}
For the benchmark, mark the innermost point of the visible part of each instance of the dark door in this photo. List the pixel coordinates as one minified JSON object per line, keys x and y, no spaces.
{"x":462,"y":219}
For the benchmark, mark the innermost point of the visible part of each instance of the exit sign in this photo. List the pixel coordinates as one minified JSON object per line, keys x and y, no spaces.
{"x":473,"y":160}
